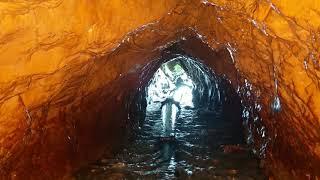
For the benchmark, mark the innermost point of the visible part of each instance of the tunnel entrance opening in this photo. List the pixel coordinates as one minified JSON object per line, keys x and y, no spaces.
{"x":191,"y":128}
{"x":171,"y":81}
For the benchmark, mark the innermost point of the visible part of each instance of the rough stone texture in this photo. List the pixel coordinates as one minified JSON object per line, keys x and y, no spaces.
{"x":67,"y":67}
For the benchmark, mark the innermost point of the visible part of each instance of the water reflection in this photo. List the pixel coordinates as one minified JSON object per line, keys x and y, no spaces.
{"x":195,"y":152}
{"x":169,"y":112}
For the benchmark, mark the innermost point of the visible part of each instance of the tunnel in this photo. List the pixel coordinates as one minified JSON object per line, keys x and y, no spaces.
{"x":167,"y":89}
{"x":184,"y":118}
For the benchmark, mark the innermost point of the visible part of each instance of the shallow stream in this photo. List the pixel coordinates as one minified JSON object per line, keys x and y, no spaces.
{"x":206,"y":146}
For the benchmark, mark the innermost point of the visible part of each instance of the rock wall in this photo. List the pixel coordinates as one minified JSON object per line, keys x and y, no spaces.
{"x":66,"y":68}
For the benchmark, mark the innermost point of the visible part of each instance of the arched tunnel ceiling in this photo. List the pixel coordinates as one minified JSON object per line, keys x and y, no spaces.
{"x":63,"y":62}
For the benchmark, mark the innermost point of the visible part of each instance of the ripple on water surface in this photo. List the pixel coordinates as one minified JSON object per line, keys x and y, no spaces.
{"x":205,"y":147}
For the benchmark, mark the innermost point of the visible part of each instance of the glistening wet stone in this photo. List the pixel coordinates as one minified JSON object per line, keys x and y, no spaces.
{"x":206,"y":147}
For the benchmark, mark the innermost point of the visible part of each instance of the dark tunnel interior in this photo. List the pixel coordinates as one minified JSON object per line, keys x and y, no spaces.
{"x":182,"y":120}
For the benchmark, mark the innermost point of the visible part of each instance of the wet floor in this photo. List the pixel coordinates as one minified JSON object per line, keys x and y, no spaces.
{"x":206,"y":146}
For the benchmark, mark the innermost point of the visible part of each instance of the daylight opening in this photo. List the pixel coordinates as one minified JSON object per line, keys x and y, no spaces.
{"x":171,"y":82}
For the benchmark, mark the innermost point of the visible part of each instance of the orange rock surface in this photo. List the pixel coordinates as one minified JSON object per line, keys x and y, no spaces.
{"x":67,"y":67}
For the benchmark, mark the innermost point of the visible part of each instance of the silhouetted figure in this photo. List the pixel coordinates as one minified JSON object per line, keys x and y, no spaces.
{"x":169,"y":111}
{"x":179,"y":82}
{"x":170,"y":101}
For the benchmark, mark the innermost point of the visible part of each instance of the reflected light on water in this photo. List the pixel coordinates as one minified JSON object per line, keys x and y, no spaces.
{"x":169,"y":114}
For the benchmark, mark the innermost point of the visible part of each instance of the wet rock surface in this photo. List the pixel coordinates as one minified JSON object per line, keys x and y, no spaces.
{"x":198,"y":151}
{"x":67,"y":66}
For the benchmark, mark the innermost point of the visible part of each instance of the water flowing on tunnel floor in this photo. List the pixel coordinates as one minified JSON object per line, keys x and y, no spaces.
{"x":205,"y":147}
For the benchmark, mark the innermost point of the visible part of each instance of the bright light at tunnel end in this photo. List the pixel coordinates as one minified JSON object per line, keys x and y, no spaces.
{"x":184,"y":96}
{"x":172,"y":84}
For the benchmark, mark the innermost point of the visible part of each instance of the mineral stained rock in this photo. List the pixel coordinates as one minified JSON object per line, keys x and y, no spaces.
{"x":68,"y":66}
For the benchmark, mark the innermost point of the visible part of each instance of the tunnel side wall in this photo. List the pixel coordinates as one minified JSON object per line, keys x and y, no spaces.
{"x":67,"y":66}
